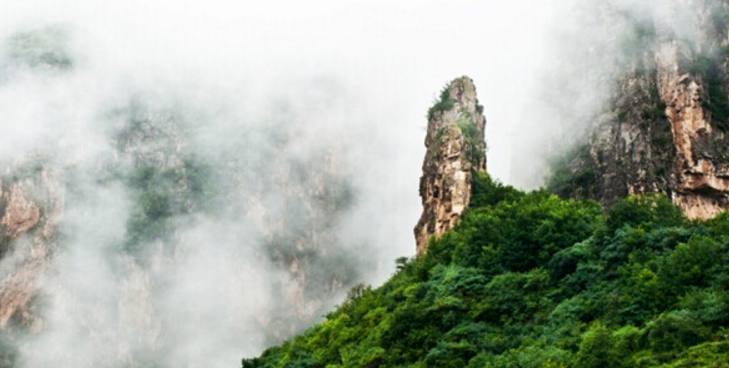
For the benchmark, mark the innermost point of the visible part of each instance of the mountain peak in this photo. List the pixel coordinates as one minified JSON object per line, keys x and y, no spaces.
{"x":455,"y":149}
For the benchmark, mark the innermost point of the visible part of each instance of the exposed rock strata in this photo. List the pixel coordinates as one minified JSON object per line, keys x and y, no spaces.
{"x":701,"y":168}
{"x":455,"y":149}
{"x":665,"y":130}
{"x":30,"y":209}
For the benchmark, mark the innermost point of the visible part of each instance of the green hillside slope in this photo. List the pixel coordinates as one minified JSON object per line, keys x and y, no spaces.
{"x":531,"y":280}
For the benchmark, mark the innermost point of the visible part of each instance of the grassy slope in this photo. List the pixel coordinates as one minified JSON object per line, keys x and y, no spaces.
{"x":531,"y":280}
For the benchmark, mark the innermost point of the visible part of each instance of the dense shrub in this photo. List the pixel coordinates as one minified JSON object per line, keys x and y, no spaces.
{"x":443,"y":103}
{"x":531,"y":280}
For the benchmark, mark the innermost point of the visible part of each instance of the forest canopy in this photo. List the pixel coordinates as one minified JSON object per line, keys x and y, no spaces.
{"x":532,"y":280}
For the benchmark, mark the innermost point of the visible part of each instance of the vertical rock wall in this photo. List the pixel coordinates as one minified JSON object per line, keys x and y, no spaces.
{"x":455,"y":150}
{"x":701,"y":164}
{"x":666,"y":128}
{"x":30,"y":207}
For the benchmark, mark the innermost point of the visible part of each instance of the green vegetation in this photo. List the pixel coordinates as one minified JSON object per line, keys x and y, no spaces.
{"x":657,"y":109}
{"x":532,"y":280}
{"x":718,"y":19}
{"x":470,"y":134}
{"x":161,"y":196}
{"x":716,"y":101}
{"x":444,"y":103}
{"x":573,"y":174}
{"x":8,"y":353}
{"x":41,"y":48}
{"x":4,"y":239}
{"x":639,"y":37}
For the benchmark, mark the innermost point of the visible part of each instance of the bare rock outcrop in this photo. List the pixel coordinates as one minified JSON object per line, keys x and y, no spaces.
{"x":701,"y":167}
{"x":455,"y":149}
{"x":666,"y":128}
{"x":21,"y":214}
{"x":30,"y":208}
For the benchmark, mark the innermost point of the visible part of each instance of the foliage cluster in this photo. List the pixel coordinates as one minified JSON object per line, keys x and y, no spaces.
{"x":161,"y":197}
{"x":639,"y":36}
{"x":532,"y":280}
{"x":710,"y":69}
{"x":573,"y":174}
{"x":467,"y":127}
{"x":40,"y":48}
{"x":444,"y":103}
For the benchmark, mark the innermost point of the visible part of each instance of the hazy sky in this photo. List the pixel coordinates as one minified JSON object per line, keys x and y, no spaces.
{"x":396,"y":55}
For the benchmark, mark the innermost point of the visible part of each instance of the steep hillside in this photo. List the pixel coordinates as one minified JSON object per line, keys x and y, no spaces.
{"x":531,"y":280}
{"x":516,"y":279}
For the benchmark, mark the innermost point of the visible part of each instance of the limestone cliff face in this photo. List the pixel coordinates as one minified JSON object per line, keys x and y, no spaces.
{"x":455,"y":149}
{"x":701,"y":164}
{"x":30,"y":207}
{"x":31,"y":198}
{"x":665,"y":129}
